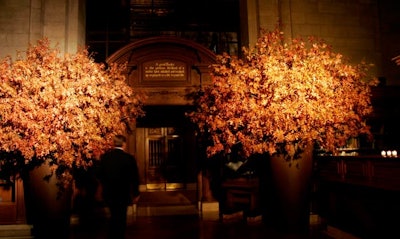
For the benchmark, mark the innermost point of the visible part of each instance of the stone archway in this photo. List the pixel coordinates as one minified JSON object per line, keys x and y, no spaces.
{"x":168,"y":70}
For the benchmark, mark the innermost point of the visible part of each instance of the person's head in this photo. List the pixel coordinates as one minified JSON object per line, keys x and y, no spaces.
{"x":119,"y":140}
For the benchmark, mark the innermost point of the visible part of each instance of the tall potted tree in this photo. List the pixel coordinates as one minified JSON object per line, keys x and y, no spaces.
{"x":280,"y":100}
{"x":58,"y":113}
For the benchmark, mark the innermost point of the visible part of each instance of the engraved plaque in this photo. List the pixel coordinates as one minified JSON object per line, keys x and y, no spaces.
{"x":164,"y":70}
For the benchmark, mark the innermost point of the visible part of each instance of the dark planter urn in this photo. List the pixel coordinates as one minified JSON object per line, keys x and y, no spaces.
{"x":46,"y":210}
{"x":290,"y":191}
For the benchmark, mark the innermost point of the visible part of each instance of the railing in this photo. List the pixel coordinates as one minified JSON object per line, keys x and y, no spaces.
{"x":359,"y":194}
{"x":369,"y":171}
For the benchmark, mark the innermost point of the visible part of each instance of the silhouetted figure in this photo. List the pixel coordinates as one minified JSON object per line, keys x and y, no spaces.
{"x":118,"y":174}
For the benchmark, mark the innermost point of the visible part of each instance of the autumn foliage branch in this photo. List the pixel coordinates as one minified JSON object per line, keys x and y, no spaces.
{"x":61,"y":108}
{"x":279,"y":98}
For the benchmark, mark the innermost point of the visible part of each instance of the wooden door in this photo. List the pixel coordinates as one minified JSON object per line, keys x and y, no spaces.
{"x":12,"y":208}
{"x":164,"y":161}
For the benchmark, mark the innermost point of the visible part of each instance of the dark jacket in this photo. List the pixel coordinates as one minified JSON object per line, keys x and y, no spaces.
{"x":118,"y":174}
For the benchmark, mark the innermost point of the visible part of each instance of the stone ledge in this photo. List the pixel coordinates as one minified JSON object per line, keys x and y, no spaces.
{"x":18,"y":231}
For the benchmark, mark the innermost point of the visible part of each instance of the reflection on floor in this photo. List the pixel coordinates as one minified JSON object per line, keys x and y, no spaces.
{"x":176,"y":214}
{"x":161,"y":203}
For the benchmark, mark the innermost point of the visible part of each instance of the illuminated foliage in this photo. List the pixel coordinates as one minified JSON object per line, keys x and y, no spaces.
{"x":279,"y":98}
{"x":62,"y":108}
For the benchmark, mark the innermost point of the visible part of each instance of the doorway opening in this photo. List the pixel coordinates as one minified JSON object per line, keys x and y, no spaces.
{"x":165,"y":148}
{"x":164,"y":159}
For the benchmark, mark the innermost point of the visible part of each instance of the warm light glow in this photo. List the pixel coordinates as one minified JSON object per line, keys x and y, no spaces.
{"x":279,"y":98}
{"x":383,"y":153}
{"x":62,"y":107}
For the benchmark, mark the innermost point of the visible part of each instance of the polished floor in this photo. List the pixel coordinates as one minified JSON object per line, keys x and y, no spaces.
{"x":160,"y":220}
{"x":191,"y":227}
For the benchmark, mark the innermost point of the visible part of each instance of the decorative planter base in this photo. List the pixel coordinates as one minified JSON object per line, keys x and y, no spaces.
{"x":49,"y":214}
{"x":290,"y":192}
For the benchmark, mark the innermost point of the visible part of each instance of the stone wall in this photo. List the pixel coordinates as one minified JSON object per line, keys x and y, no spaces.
{"x":25,"y":21}
{"x":360,"y":29}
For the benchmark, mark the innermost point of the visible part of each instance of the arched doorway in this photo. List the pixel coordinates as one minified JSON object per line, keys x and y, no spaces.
{"x":169,"y":70}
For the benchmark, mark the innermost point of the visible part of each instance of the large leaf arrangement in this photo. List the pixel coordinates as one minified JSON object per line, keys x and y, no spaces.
{"x":280,"y":98}
{"x":64,"y":108}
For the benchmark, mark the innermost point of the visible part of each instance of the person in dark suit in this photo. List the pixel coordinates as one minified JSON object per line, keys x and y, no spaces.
{"x":119,"y":177}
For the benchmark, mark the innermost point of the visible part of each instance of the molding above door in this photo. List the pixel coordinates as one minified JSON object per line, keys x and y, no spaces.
{"x":168,"y":69}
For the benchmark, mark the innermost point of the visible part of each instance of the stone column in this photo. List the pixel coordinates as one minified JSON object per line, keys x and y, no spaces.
{"x":249,"y":23}
{"x":64,"y":23}
{"x":261,"y":14}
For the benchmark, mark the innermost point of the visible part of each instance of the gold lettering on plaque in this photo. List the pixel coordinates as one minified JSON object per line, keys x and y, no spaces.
{"x":164,"y":70}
